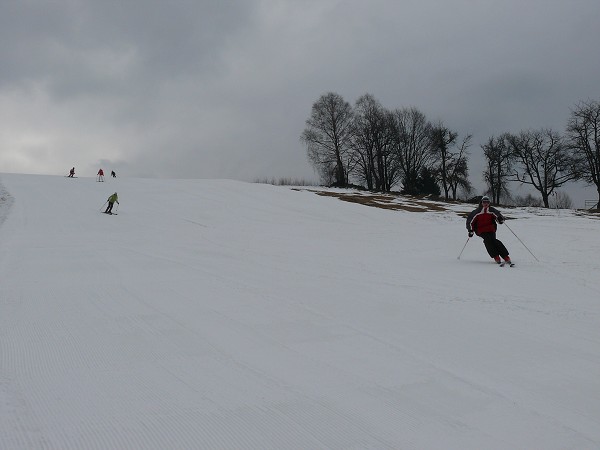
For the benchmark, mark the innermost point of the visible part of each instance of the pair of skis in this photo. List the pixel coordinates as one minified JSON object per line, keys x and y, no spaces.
{"x":503,"y":263}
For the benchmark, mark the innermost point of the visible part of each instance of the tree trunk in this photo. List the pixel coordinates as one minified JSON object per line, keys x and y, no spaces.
{"x":545,"y":199}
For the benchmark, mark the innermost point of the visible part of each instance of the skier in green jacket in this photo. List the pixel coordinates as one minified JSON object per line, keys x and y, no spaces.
{"x":111,"y":201}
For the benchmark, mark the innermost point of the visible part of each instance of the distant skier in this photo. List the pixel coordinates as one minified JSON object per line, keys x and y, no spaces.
{"x":113,"y":174}
{"x":72,"y":172}
{"x":111,"y":201}
{"x":483,"y":221}
{"x":100,"y":175}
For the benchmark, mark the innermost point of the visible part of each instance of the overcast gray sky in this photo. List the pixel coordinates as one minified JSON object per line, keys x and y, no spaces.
{"x":222,"y":89}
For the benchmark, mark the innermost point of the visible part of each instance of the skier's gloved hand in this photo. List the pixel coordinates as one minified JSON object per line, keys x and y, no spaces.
{"x":471,"y":234}
{"x":500,"y":221}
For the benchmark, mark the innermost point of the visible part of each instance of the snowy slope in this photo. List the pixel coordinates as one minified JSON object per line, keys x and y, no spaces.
{"x":224,"y":315}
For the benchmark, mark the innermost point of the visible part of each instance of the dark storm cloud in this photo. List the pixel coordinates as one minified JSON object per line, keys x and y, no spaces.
{"x":77,"y":46}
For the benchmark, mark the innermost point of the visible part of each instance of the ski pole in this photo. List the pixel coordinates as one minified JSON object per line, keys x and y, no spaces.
{"x":102,"y":207}
{"x":463,"y":249}
{"x":521,"y":241}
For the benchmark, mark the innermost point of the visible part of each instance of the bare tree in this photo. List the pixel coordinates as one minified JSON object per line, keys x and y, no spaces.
{"x":583,"y":134}
{"x":459,"y":177}
{"x":412,"y":145}
{"x":544,"y":161}
{"x":373,"y":139}
{"x":328,"y":137}
{"x":450,"y":164}
{"x":388,"y":164}
{"x":363,"y":148}
{"x":499,"y":159}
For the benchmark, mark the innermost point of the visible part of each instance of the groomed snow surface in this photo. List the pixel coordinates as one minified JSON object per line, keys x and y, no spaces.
{"x":214,"y":314}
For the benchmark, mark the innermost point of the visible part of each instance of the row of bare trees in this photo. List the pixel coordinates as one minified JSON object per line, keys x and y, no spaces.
{"x":540,"y":158}
{"x":546,"y":159}
{"x":380,"y":148}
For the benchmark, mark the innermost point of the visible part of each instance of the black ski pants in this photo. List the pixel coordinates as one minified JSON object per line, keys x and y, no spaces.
{"x":109,"y":207}
{"x":494,"y":246}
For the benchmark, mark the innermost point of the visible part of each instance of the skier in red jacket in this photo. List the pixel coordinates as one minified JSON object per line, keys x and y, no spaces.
{"x":100,"y":175}
{"x":484,"y":221}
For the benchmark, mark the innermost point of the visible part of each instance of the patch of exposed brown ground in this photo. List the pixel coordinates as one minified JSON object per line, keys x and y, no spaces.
{"x":386,"y":201}
{"x":413,"y":204}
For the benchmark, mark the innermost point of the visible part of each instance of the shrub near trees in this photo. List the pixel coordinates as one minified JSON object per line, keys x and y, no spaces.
{"x":379,"y":149}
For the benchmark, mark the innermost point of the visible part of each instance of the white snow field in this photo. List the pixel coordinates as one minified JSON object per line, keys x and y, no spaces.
{"x":215,"y":314}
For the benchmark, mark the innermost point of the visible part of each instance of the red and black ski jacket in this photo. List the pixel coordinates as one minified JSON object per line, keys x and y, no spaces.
{"x":484,"y":220}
